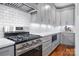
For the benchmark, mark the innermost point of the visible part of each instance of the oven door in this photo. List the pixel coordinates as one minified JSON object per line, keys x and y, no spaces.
{"x":34,"y":52}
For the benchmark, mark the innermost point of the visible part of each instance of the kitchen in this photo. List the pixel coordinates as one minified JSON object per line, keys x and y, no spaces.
{"x":37,"y":29}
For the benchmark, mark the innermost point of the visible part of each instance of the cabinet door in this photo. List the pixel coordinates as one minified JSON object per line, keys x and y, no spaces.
{"x":68,"y":39}
{"x":8,"y":51}
{"x":63,"y":18}
{"x":53,"y":16}
{"x":47,"y":51}
{"x":70,"y":17}
{"x":42,"y":14}
{"x":67,"y":17}
{"x":46,"y":45}
{"x":36,"y":17}
{"x":57,"y":17}
{"x":45,"y":13}
{"x":46,"y":38}
{"x":59,"y":37}
{"x":33,"y":18}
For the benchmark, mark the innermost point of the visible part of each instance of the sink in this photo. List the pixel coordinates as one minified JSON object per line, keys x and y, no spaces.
{"x":69,"y":32}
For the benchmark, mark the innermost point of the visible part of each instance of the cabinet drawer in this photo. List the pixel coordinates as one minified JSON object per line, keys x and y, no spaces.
{"x":8,"y":51}
{"x":46,"y":44}
{"x":68,"y":42}
{"x":68,"y":38}
{"x":47,"y":51}
{"x":47,"y":38}
{"x":68,"y":34}
{"x":4,"y":52}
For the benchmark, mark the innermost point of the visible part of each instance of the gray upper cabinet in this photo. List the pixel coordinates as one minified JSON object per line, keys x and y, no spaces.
{"x":45,"y":14}
{"x":42,"y":13}
{"x":53,"y":16}
{"x":70,"y":17}
{"x":67,"y":16}
{"x":36,"y":16}
{"x":48,"y":14}
{"x":63,"y":18}
{"x":58,"y":18}
{"x":33,"y":18}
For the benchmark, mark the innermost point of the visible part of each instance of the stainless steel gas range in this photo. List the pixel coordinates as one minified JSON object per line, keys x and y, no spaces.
{"x":26,"y":44}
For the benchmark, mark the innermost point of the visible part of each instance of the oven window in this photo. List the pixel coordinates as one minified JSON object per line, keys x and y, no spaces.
{"x":34,"y":52}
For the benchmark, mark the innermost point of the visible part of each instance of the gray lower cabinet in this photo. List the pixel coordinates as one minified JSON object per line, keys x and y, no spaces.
{"x":46,"y":45}
{"x":56,"y":42}
{"x":68,"y":38}
{"x":46,"y":48}
{"x":47,"y":51}
{"x":7,"y":51}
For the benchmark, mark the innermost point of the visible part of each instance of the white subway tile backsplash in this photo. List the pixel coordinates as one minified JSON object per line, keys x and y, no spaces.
{"x":12,"y":17}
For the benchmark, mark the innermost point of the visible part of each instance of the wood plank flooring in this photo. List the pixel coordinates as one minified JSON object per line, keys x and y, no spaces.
{"x":63,"y":50}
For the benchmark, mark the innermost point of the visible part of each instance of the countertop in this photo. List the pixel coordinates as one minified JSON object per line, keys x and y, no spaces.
{"x":52,"y":33}
{"x":47,"y":33}
{"x":5,"y":42}
{"x":68,"y":32}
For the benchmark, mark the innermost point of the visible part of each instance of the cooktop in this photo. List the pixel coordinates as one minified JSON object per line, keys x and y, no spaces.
{"x":21,"y":37}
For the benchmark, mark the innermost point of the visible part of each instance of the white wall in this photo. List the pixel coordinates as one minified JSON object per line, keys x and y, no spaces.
{"x":77,"y":29}
{"x":12,"y":17}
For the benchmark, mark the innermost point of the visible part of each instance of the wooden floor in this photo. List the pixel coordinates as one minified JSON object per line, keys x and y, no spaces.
{"x":63,"y":50}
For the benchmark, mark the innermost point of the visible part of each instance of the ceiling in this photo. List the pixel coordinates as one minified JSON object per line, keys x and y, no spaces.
{"x":59,"y":5}
{"x":21,"y":6}
{"x":32,"y":7}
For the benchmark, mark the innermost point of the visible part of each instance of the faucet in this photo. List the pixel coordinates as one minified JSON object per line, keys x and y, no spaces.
{"x":67,"y":28}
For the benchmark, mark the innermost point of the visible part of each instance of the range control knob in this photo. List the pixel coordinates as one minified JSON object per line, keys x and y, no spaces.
{"x":35,"y":41}
{"x":39,"y":40}
{"x":24,"y":45}
{"x":29,"y":43}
